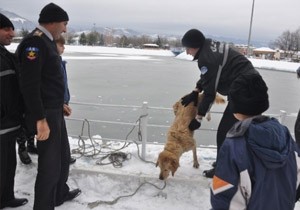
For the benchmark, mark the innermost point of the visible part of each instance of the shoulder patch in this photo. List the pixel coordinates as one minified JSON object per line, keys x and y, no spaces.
{"x":37,"y":33}
{"x":219,"y":185}
{"x":31,"y":53}
{"x":203,"y":70}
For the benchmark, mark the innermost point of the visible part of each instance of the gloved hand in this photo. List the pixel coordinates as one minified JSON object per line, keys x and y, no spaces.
{"x":192,"y":97}
{"x":194,"y":124}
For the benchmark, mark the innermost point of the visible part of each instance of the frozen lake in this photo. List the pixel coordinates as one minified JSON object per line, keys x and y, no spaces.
{"x":130,"y":80}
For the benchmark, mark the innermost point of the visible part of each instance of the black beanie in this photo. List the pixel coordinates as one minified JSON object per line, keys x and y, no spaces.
{"x":248,"y":95}
{"x":52,"y":13}
{"x":5,"y":22}
{"x":193,"y":39}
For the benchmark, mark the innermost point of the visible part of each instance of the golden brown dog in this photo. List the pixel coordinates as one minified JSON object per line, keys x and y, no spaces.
{"x":180,"y":138}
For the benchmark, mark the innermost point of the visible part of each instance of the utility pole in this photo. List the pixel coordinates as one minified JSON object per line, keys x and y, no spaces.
{"x":250,"y":29}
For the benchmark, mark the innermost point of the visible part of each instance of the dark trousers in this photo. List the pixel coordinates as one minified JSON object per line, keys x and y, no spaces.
{"x":8,"y":163}
{"x":297,"y":129}
{"x":53,"y":164}
{"x":227,"y":121}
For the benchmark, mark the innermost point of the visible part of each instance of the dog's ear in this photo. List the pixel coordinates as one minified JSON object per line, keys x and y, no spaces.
{"x":174,"y":166}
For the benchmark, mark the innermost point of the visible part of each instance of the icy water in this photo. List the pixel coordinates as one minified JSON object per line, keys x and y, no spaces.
{"x":158,"y":80}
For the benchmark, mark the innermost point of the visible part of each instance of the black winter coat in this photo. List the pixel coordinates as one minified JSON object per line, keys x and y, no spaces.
{"x":11,"y":98}
{"x":210,"y":57}
{"x":41,"y":78}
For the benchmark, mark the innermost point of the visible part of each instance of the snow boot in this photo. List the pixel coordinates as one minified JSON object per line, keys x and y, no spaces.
{"x":22,"y":151}
{"x":31,"y":148}
{"x":16,"y":202}
{"x":72,"y":160}
{"x":209,"y":173}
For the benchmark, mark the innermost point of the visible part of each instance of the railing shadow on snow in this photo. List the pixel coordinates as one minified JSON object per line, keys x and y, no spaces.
{"x":142,"y":122}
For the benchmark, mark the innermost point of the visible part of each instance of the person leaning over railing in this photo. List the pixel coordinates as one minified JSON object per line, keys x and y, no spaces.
{"x":219,"y":65}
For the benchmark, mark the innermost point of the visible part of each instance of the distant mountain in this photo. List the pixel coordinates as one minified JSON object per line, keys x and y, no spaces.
{"x":239,"y":41}
{"x":116,"y":31}
{"x":22,"y":23}
{"x":18,"y":21}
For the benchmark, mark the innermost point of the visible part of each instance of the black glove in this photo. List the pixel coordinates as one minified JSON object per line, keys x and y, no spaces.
{"x":194,"y":124}
{"x":192,"y":97}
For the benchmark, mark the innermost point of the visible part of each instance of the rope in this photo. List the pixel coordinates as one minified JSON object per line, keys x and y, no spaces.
{"x":94,"y":149}
{"x":98,"y":202}
{"x":115,"y":158}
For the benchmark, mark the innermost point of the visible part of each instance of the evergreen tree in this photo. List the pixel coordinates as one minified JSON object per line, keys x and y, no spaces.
{"x":82,"y":39}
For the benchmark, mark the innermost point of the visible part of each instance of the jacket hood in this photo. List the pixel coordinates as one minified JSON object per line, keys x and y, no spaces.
{"x":270,"y":141}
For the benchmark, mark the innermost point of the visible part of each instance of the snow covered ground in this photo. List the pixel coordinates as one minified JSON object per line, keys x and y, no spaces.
{"x":188,"y":189}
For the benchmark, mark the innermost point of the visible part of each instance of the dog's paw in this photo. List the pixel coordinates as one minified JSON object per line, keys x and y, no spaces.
{"x":196,"y":164}
{"x":208,"y":116}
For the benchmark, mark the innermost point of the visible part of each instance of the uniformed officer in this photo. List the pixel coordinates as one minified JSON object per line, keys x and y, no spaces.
{"x":42,"y":87}
{"x":219,"y":66}
{"x":11,"y":116}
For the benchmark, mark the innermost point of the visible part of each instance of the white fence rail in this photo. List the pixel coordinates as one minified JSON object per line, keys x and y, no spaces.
{"x":142,"y":121}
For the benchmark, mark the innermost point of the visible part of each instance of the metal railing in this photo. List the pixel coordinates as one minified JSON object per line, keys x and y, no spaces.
{"x":142,"y":121}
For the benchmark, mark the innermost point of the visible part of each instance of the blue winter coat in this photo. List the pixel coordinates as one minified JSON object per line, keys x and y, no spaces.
{"x":257,"y":167}
{"x":64,"y":72}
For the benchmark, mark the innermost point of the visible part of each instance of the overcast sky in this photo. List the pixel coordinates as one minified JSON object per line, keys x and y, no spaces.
{"x":229,"y":18}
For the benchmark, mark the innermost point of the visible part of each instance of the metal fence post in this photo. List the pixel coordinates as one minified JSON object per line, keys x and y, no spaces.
{"x":282,"y":116}
{"x":144,"y":122}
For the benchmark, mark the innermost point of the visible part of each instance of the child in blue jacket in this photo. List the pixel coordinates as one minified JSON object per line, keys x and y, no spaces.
{"x":259,"y":162}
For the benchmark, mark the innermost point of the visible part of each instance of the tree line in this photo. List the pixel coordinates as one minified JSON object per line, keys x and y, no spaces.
{"x":95,"y":38}
{"x":288,"y":41}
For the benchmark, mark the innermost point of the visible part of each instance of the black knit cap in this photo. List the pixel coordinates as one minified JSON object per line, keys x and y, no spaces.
{"x":53,"y":13}
{"x":248,"y":95}
{"x":193,"y":39}
{"x":5,"y":22}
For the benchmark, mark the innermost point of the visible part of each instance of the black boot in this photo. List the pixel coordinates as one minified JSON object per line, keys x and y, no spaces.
{"x":72,"y":160}
{"x":16,"y":202}
{"x":31,"y":148}
{"x":69,"y":196}
{"x":22,"y":151}
{"x":209,"y":173}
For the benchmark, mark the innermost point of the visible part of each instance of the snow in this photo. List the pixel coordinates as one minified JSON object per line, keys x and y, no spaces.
{"x":188,"y":189}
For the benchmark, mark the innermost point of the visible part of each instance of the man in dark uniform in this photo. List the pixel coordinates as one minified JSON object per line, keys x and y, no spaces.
{"x":297,"y":123}
{"x":219,"y":66}
{"x":42,"y":87}
{"x":11,"y":116}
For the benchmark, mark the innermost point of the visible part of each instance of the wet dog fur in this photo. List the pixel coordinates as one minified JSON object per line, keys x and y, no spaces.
{"x":180,"y":138}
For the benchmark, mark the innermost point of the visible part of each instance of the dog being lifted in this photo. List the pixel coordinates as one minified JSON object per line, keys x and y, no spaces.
{"x":180,"y":137}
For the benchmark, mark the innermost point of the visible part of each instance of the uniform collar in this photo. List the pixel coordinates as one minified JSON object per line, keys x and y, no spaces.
{"x":46,"y":32}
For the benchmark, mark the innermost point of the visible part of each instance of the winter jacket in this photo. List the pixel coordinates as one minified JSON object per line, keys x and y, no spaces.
{"x":11,"y":99}
{"x":210,"y":57}
{"x":41,"y":78}
{"x":258,"y":167}
{"x":64,"y":72}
